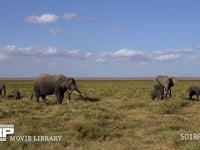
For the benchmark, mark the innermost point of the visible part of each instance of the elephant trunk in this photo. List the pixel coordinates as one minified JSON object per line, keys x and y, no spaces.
{"x":77,"y":91}
{"x":73,"y":87}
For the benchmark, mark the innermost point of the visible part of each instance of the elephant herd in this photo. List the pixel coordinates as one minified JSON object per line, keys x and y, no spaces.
{"x":46,"y":84}
{"x":15,"y":93}
{"x":163,"y":84}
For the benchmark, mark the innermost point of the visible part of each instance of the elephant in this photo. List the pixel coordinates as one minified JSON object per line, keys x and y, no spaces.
{"x":16,"y":94}
{"x":194,"y":90}
{"x":2,"y":91}
{"x":166,"y":82}
{"x":47,"y":84}
{"x":157,"y":92}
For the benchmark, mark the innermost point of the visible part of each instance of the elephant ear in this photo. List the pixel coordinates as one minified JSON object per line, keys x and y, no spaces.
{"x":60,"y":80}
{"x":69,"y":82}
{"x":173,"y":80}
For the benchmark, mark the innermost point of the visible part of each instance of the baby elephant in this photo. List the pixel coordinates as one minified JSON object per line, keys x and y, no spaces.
{"x":194,"y":90}
{"x":157,"y":92}
{"x":16,"y":95}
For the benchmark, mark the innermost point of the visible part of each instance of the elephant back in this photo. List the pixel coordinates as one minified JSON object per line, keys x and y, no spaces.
{"x":60,"y":80}
{"x":195,"y":88}
{"x":46,"y":80}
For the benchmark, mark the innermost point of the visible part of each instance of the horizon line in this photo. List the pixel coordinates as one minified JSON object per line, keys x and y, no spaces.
{"x":107,"y":78}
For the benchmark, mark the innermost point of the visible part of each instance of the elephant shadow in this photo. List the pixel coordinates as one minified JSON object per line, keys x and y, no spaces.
{"x":89,"y":99}
{"x":187,"y":98}
{"x":193,"y":99}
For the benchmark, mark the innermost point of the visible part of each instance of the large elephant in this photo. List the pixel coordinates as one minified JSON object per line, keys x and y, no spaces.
{"x":2,"y":91}
{"x":194,"y":90}
{"x":46,"y":84}
{"x":166,"y":82}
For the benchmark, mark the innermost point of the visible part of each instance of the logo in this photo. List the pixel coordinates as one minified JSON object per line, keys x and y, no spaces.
{"x":9,"y":129}
{"x":5,"y":130}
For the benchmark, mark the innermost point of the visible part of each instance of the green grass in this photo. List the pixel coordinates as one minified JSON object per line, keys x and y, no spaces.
{"x":119,"y":115}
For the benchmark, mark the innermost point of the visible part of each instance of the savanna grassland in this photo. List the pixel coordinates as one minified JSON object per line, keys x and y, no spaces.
{"x":118,"y":114}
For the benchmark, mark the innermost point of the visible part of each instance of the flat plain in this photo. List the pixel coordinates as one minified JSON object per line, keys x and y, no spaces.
{"x":117,"y":114}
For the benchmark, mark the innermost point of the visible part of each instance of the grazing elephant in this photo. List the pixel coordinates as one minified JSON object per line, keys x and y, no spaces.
{"x":2,"y":91}
{"x":157,"y":92}
{"x":16,"y":95}
{"x":194,"y":90}
{"x":46,"y":84}
{"x":166,"y":82}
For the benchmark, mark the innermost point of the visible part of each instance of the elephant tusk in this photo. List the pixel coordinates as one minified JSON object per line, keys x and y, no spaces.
{"x":165,"y":91}
{"x":79,"y":93}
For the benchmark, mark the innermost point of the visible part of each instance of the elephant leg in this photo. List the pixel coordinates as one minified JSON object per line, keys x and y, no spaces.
{"x":165,"y":92}
{"x":198,"y":97}
{"x":18,"y":96}
{"x":4,"y":93}
{"x":69,"y":96}
{"x":44,"y":99}
{"x":58,"y":94}
{"x":60,"y":98}
{"x":165,"y":95}
{"x":37,"y":97}
{"x":1,"y":95}
{"x":190,"y":96}
{"x":153,"y":95}
{"x":170,"y":93}
{"x":162,"y":96}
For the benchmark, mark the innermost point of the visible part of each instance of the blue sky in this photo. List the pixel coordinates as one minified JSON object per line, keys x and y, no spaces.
{"x":100,"y":38}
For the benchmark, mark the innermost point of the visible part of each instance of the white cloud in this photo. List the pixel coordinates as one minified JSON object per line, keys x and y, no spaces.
{"x":55,"y":31}
{"x":10,"y":51}
{"x":69,"y":16}
{"x":105,"y":56}
{"x":171,"y":54}
{"x":126,"y":53}
{"x":50,"y":51}
{"x":122,"y":54}
{"x":136,"y":56}
{"x":88,"y":55}
{"x":73,"y":52}
{"x":170,"y":57}
{"x":43,"y":19}
{"x":145,"y":57}
{"x":174,"y":51}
